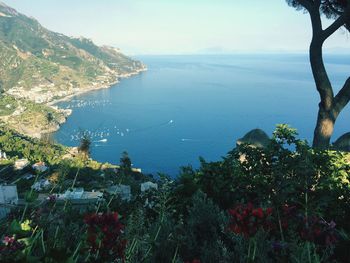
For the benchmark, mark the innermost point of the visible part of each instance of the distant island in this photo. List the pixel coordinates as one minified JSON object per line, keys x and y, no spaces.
{"x":39,"y":68}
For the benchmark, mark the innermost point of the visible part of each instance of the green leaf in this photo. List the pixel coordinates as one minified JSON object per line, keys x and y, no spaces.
{"x":32,"y":259}
{"x":15,"y":227}
{"x":26,"y":240}
{"x":71,"y":260}
{"x":31,"y":196}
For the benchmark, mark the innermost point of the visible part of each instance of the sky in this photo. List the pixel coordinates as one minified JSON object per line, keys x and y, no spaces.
{"x":181,"y":26}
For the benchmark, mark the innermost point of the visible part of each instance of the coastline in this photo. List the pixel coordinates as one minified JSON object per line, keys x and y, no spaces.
{"x":50,"y":107}
{"x":86,"y":90}
{"x":68,"y":112}
{"x":80,"y":92}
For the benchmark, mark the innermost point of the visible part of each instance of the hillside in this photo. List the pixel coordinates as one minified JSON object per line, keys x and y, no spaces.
{"x":41,"y":65}
{"x":30,"y":118}
{"x":38,"y":66}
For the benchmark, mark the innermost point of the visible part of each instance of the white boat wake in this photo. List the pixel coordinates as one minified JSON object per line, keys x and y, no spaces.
{"x":103,"y":140}
{"x":188,"y":140}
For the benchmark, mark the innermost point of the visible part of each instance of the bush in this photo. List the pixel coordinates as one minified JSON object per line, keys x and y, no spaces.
{"x":283,"y":203}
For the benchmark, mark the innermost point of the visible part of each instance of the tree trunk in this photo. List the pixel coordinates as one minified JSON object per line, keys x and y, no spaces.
{"x":326,"y":117}
{"x":330,"y":106}
{"x":324,"y":129}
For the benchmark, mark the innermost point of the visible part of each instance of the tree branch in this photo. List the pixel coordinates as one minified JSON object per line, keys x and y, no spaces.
{"x":342,"y":98}
{"x":323,"y":84}
{"x":338,"y":23}
{"x":334,"y":10}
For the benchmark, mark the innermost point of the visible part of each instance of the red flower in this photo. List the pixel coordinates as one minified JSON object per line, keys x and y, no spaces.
{"x":269,"y":211}
{"x":247,"y":220}
{"x":104,"y":235}
{"x":258,"y":212}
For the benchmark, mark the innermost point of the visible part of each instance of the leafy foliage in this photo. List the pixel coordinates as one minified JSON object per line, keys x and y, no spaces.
{"x":332,"y":9}
{"x":85,"y":143}
{"x":34,"y":150}
{"x":283,"y":203}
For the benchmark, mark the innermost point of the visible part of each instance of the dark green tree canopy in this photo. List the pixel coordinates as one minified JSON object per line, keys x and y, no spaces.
{"x":332,"y":9}
{"x":85,"y":145}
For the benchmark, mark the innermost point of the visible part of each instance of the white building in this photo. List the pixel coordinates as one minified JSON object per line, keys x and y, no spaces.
{"x":40,"y":167}
{"x":75,"y":193}
{"x":20,"y":164}
{"x":148,"y":185}
{"x":79,"y":195}
{"x":42,"y":184}
{"x":123,"y":191}
{"x":8,"y":197}
{"x":3,"y":155}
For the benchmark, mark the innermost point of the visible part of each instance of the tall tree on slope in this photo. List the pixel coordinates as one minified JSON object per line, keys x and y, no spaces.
{"x":330,"y":105}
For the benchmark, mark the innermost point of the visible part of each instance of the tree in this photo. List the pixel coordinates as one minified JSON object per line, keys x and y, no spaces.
{"x":49,"y":117}
{"x":1,"y":87}
{"x":330,"y":104}
{"x":125,"y":163}
{"x":85,"y":144}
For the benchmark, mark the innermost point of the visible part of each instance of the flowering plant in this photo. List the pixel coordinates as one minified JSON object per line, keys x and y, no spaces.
{"x":104,"y":235}
{"x":247,"y":220}
{"x":9,"y":247}
{"x":310,"y":228}
{"x":318,"y":231}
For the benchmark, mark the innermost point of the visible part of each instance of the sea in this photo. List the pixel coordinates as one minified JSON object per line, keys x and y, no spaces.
{"x":189,"y":106}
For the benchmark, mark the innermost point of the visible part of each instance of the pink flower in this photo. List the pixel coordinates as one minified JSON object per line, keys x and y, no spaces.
{"x":8,"y":240}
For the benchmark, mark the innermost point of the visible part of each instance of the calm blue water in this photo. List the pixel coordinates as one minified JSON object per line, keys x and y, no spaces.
{"x":184,"y":107}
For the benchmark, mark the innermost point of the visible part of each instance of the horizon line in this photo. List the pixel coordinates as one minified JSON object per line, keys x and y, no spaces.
{"x":234,"y":53}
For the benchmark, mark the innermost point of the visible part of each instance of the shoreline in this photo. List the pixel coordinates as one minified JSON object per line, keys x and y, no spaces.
{"x":63,"y":114}
{"x":68,"y":97}
{"x":107,"y":86}
{"x":52,"y":104}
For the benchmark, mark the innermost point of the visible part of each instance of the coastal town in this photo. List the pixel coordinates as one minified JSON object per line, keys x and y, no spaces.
{"x":45,"y":96}
{"x":42,"y":180}
{"x":35,"y":77}
{"x":48,"y":93}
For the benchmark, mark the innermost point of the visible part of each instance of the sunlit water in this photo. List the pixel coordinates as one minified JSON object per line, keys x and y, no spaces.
{"x":184,"y":107}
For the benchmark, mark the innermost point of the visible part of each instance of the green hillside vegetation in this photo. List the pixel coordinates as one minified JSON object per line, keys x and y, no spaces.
{"x":20,"y":146}
{"x":8,"y":105}
{"x":276,"y":205}
{"x":41,"y":66}
{"x":28,"y":117}
{"x":60,"y":159}
{"x":32,"y":56}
